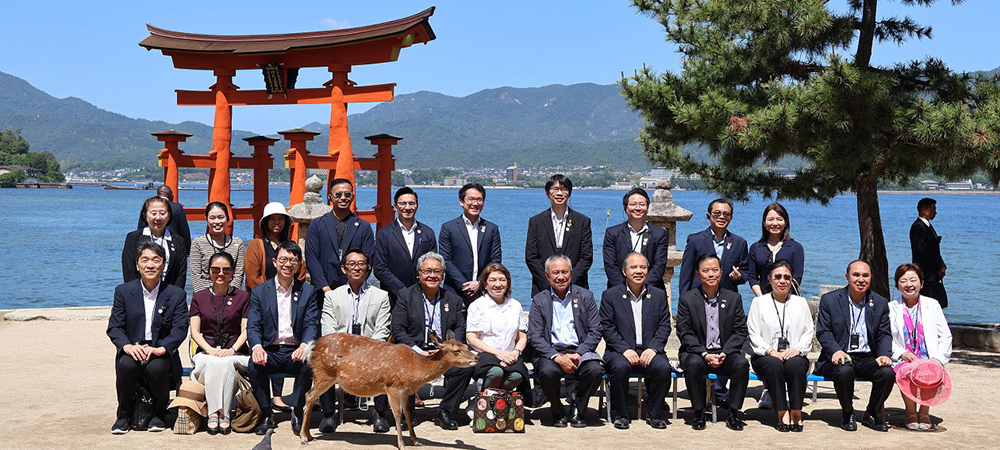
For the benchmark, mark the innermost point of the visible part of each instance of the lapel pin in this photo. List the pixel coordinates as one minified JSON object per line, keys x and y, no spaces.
{"x":648,"y":295}
{"x":162,"y":309}
{"x":624,"y":296}
{"x":645,"y":240}
{"x":295,"y":297}
{"x":356,"y":224}
{"x":445,"y":307}
{"x":871,"y":303}
{"x":418,"y":231}
{"x":229,"y":303}
{"x":483,"y":229}
{"x":729,"y":245}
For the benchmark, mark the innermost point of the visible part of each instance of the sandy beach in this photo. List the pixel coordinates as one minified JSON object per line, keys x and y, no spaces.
{"x":58,"y":392}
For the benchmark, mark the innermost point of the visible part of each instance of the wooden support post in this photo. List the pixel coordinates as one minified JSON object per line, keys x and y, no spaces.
{"x":340,"y":138}
{"x":386,"y":164}
{"x":262,"y":165}
{"x":222,"y":134}
{"x":169,"y":156}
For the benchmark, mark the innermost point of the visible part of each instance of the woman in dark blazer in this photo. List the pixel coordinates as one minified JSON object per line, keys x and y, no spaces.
{"x":774,"y":245}
{"x":156,"y":216}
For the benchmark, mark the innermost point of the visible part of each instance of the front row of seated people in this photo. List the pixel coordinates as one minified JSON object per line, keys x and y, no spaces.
{"x":266,"y":333}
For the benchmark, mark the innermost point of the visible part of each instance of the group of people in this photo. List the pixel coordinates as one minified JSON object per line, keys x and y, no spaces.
{"x":455,"y":282}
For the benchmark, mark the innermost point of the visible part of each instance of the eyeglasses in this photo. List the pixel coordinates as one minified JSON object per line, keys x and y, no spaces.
{"x":355,"y":264}
{"x":218,"y":270}
{"x":783,"y":276}
{"x":432,"y":271}
{"x":155,"y":260}
{"x":559,"y":189}
{"x":284,"y":261}
{"x":718,"y":214}
{"x":343,"y":194}
{"x":637,"y":205}
{"x":559,"y":272}
{"x":406,"y":203}
{"x":475,"y":201}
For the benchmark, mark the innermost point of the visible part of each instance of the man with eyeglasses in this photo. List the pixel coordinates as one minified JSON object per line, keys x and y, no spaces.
{"x":399,"y":244}
{"x":283,"y":319}
{"x":719,"y":241}
{"x":425,"y":308}
{"x":469,"y":243}
{"x":559,"y":230}
{"x":335,"y":232}
{"x":355,"y":308}
{"x":635,"y":235}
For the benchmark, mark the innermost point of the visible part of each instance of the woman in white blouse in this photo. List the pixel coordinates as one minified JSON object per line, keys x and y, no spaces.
{"x":919,"y":331}
{"x":497,"y":331}
{"x":781,"y":333}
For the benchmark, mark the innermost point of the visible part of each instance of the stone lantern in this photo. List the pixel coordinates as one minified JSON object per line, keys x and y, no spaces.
{"x":665,"y":213}
{"x":311,"y":208}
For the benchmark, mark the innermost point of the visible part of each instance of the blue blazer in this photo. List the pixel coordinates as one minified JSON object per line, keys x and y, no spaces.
{"x":833,"y":322}
{"x":586,"y":320}
{"x":790,"y":251}
{"x":457,"y":251}
{"x":702,"y":243}
{"x":392,"y":264}
{"x":692,"y":329}
{"x":618,"y":244}
{"x":127,"y":324}
{"x":262,"y":319}
{"x":618,"y":323}
{"x":540,"y":244}
{"x":323,"y":249}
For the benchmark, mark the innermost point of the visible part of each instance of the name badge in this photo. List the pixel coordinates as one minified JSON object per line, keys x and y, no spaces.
{"x":855,"y":341}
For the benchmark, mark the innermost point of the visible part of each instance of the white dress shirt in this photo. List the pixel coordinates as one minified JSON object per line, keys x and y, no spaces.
{"x":636,"y":302}
{"x":497,"y":324}
{"x":149,"y":302}
{"x":473,"y":229}
{"x":285,"y":333}
{"x":559,"y":227}
{"x":766,"y":317}
{"x":637,"y":236}
{"x":408,"y":235}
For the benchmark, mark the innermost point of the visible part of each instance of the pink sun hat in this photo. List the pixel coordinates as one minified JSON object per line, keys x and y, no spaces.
{"x":924,"y":381}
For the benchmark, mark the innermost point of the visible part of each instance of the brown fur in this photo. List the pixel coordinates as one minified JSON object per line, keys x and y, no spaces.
{"x":366,"y":367}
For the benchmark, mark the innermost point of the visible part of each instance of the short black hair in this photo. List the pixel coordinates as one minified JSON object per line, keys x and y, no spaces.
{"x":356,"y":250}
{"x":706,"y":257}
{"x":848,"y":269}
{"x":165,"y":192}
{"x":337,"y":181}
{"x":721,"y":200}
{"x":149,"y":245}
{"x":561,"y":180}
{"x":925,"y":203}
{"x":476,"y":186}
{"x":220,"y":205}
{"x":150,"y":201}
{"x":223,"y":255}
{"x":635,"y":191}
{"x":290,"y":247}
{"x":404,"y":191}
{"x":778,"y":264}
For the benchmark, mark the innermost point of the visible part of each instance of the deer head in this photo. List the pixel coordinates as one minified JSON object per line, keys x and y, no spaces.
{"x":453,"y":351}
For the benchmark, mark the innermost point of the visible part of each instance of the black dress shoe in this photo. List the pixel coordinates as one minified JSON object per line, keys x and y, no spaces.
{"x":265,"y":424}
{"x":157,"y":424}
{"x":121,"y":426}
{"x":444,"y":420}
{"x":621,"y":423}
{"x":848,"y":424}
{"x":698,"y":422}
{"x":296,"y":424}
{"x":328,"y":424}
{"x":733,"y":422}
{"x":658,"y":424}
{"x":380,"y":425}
{"x":783,"y":427}
{"x":796,"y":427}
{"x":281,"y":409}
{"x":576,"y":419}
{"x":874,"y":423}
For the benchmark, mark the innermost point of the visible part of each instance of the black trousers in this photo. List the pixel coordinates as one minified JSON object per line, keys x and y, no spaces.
{"x":456,"y":381}
{"x":657,"y":379}
{"x":155,"y":373}
{"x":783,"y":377}
{"x":279,"y":360}
{"x":329,"y":401}
{"x":550,"y":374}
{"x":865,"y":367}
{"x":735,"y":367}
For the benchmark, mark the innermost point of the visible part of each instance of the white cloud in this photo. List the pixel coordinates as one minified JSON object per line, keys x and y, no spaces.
{"x":334,"y":23}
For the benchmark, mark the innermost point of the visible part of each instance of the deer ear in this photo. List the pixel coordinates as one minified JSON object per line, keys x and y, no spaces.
{"x":450,"y":335}
{"x":434,"y":339}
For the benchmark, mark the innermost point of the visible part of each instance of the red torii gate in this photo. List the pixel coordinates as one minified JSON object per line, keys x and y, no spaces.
{"x":280,"y":56}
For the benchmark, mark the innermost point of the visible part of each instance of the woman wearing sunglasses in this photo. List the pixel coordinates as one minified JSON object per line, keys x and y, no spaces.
{"x":780,"y":328}
{"x":219,"y":327}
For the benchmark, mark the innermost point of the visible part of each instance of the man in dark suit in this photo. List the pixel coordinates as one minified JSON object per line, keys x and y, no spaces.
{"x":149,"y":321}
{"x":635,"y":321}
{"x":283,"y":319}
{"x":719,"y":241}
{"x":635,"y":235}
{"x":925,"y":245}
{"x":178,"y":225}
{"x":852,"y":325}
{"x":712,"y":328}
{"x":399,"y":244}
{"x":333,"y":234}
{"x":564,"y":329}
{"x":469,"y":243}
{"x":425,"y":308}
{"x":558,"y":230}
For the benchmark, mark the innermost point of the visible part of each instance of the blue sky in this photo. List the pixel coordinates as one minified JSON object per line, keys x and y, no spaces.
{"x":79,"y":50}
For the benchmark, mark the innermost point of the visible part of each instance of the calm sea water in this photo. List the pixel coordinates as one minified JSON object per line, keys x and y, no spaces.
{"x":62,"y":247}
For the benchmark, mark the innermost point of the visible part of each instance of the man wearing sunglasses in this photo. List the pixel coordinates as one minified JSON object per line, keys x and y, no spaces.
{"x":333,"y":234}
{"x":719,"y":241}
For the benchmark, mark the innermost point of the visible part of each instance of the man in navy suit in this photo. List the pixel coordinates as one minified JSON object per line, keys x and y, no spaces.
{"x":178,"y":225}
{"x":635,"y":321}
{"x":558,"y":230}
{"x":925,"y":247}
{"x":852,"y":325}
{"x":712,"y":328}
{"x":564,"y":329}
{"x":635,"y":235}
{"x":333,"y":234}
{"x":149,"y":321}
{"x":399,"y":244}
{"x":425,"y":308}
{"x":283,"y":319}
{"x":719,"y":241}
{"x":469,"y":243}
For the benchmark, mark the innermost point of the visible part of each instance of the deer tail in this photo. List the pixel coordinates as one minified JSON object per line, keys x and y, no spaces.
{"x":309,"y":351}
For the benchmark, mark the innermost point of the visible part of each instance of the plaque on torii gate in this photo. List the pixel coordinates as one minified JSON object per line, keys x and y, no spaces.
{"x":279,"y":57}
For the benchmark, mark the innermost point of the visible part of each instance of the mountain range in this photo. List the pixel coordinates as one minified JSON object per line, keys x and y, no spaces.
{"x":557,"y":125}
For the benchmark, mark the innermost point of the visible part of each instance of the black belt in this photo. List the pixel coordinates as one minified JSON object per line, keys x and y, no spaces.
{"x":145,"y":342}
{"x":861,"y":354}
{"x":280,"y":346}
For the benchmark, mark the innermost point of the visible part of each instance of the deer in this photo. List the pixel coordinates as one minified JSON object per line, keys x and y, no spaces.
{"x":367,"y":367}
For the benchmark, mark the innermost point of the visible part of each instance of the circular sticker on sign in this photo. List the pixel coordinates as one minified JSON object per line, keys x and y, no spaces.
{"x":518,"y":402}
{"x":490,"y":415}
{"x":501,"y":424}
{"x":480,"y":423}
{"x":490,"y":430}
{"x":518,"y":424}
{"x":481,"y":404}
{"x":510,"y":414}
{"x":501,"y":404}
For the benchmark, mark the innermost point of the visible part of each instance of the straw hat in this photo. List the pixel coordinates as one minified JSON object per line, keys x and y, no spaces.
{"x":192,"y":395}
{"x":924,"y":381}
{"x":271,"y":209}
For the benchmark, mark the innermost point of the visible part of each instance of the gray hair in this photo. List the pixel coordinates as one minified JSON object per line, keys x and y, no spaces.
{"x":431,"y":255}
{"x":557,"y":257}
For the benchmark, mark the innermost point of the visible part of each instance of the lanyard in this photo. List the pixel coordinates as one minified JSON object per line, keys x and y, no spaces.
{"x":220,"y":315}
{"x":912,"y":324}
{"x":856,"y":320}
{"x":431,"y":311}
{"x":356,"y":308}
{"x":781,"y":315}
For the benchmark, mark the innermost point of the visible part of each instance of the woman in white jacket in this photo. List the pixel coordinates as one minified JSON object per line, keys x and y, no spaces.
{"x":919,"y":331}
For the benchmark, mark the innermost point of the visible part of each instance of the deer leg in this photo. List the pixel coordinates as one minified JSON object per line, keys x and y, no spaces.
{"x":397,"y":409}
{"x":320,"y":385}
{"x":404,"y":404}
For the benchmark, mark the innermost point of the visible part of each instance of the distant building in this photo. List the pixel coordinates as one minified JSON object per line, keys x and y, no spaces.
{"x":959,"y":185}
{"x":657,"y":174}
{"x":930,"y":185}
{"x":454,"y":181}
{"x":512,"y":174}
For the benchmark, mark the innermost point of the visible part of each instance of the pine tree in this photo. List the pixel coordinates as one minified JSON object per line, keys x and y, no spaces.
{"x":766,"y":80}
